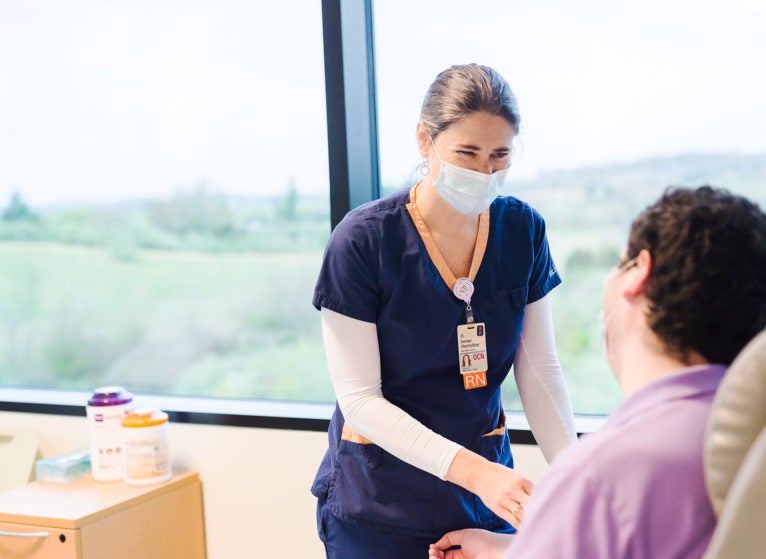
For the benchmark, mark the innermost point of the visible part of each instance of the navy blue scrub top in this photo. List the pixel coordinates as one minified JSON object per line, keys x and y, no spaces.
{"x":376,"y":269}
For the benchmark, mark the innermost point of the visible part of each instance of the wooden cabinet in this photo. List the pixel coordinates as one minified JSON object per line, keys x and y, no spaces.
{"x":90,"y":519}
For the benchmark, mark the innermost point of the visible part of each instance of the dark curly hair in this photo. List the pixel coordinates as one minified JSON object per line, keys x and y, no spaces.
{"x":707,"y":287}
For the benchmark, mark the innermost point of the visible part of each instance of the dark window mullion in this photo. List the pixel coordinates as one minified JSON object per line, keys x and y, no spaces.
{"x":352,"y":130}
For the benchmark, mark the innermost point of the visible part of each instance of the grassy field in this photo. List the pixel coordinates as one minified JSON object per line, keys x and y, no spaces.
{"x":194,"y":323}
{"x":201,"y":295}
{"x":228,"y":325}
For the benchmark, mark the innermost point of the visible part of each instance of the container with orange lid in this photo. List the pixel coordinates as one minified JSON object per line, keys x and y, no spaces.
{"x":145,"y":442}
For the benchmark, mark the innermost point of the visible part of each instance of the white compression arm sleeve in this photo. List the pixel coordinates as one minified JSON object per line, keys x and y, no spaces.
{"x":353,"y":359}
{"x":541,"y":383}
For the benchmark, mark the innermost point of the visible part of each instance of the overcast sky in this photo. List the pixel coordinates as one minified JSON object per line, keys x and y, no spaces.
{"x":106,"y":99}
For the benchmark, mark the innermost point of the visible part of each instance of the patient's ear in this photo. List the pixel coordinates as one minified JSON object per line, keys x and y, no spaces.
{"x":635,"y":282}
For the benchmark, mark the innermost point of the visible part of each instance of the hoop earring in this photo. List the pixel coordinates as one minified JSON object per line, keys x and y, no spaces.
{"x":423,"y":169}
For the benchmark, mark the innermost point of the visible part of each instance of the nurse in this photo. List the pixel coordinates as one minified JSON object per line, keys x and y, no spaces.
{"x":409,"y":285}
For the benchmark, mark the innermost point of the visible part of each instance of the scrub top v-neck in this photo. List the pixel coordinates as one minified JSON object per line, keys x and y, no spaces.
{"x":377,"y":268}
{"x":433,"y":250}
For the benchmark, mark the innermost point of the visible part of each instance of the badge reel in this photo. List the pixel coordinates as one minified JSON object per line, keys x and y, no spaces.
{"x":471,"y":340}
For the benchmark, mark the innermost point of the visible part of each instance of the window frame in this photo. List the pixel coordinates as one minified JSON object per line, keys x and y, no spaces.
{"x":352,"y":122}
{"x":354,"y":179}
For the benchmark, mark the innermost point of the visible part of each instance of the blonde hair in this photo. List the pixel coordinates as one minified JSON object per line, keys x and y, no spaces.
{"x":465,"y":89}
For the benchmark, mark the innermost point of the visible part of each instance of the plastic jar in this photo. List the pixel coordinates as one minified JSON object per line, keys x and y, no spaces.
{"x":105,"y":410}
{"x":145,"y":446}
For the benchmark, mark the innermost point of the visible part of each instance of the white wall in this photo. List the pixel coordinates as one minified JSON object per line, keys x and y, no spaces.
{"x":255,"y":481}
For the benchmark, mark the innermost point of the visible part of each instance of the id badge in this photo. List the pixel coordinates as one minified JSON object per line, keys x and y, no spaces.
{"x":472,"y":353}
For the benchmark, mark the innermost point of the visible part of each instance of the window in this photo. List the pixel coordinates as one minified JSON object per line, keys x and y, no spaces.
{"x":164,"y":196}
{"x":617,"y":99}
{"x":164,"y":184}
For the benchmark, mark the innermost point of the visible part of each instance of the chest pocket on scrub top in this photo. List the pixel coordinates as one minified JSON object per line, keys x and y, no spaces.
{"x":515,"y":298}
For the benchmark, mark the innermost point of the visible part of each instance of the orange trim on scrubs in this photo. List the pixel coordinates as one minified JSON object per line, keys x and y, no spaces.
{"x":482,"y":235}
{"x":348,"y":434}
{"x":500,"y":430}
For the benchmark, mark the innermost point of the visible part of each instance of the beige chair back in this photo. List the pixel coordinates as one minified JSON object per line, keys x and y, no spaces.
{"x":735,"y":457}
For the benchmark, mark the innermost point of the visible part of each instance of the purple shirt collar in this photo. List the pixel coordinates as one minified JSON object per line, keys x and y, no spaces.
{"x":684,"y":383}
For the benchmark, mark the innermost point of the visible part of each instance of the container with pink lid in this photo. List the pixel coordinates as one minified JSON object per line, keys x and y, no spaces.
{"x":105,"y":410}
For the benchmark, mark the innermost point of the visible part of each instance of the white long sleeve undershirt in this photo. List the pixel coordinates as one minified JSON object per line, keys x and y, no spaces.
{"x":541,"y":383}
{"x":353,"y":359}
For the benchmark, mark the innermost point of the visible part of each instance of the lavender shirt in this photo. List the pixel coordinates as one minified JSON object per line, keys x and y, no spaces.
{"x":635,"y":489}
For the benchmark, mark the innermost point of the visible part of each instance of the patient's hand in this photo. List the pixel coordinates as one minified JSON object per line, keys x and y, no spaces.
{"x":474,"y":543}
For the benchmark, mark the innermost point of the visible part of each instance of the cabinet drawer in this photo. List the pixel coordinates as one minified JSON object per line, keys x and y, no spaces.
{"x":87,"y":519}
{"x":21,"y":541}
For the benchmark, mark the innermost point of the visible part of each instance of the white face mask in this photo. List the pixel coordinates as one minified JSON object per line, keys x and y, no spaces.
{"x":469,"y":192}
{"x":603,"y":321}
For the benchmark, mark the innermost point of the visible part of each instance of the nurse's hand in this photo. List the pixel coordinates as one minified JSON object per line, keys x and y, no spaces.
{"x":503,"y":490}
{"x":474,"y":544}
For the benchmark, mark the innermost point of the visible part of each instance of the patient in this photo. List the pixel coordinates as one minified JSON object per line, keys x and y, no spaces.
{"x":688,"y":294}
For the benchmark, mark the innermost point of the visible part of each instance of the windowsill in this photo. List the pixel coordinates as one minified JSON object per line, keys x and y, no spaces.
{"x":266,"y":414}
